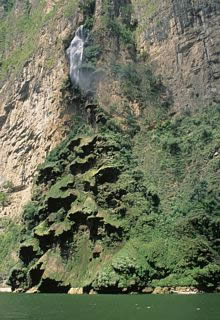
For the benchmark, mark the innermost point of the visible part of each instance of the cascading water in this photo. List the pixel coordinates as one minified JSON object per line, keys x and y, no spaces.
{"x":75,"y":54}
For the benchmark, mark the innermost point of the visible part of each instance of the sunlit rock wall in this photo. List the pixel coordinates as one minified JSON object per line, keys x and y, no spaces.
{"x":181,"y":38}
{"x":32,"y":118}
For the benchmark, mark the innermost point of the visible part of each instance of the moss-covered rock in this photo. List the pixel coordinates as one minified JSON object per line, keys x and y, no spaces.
{"x":29,"y":250}
{"x":78,"y":209}
{"x":121,"y":206}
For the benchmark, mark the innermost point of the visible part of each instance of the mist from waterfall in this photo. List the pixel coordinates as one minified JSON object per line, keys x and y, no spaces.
{"x":83,"y":75}
{"x":75,"y":54}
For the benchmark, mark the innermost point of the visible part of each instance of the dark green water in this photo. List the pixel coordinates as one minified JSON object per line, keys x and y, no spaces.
{"x":109,"y":307}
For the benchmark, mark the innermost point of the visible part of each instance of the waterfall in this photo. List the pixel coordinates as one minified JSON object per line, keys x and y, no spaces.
{"x":75,"y":53}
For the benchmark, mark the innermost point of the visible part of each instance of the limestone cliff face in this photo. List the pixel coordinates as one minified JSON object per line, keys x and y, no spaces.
{"x":124,"y":201}
{"x":32,"y":116}
{"x":180,"y":38}
{"x":182,"y":41}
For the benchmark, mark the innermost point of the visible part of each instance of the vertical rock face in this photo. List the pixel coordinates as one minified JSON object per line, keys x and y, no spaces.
{"x":182,"y":40}
{"x":180,"y":37}
{"x":129,"y":199}
{"x":31,"y":117}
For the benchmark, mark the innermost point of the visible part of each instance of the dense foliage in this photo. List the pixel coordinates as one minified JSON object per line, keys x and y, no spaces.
{"x":9,"y":245}
{"x":154,"y":217}
{"x":129,"y":199}
{"x":25,"y":29}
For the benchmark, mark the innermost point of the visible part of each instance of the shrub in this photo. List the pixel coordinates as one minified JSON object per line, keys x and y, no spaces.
{"x":92,"y":52}
{"x":88,"y":9}
{"x":3,"y":199}
{"x":31,"y":214}
{"x":137,"y":82}
{"x":9,"y":242}
{"x":8,"y":5}
{"x":8,"y":186}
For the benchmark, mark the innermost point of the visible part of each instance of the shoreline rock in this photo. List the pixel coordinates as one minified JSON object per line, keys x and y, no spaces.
{"x":146,"y":291}
{"x":176,"y":290}
{"x":5,"y":289}
{"x":185,"y":290}
{"x":75,"y":291}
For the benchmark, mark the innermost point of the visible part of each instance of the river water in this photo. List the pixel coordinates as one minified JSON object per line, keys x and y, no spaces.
{"x":109,"y":307}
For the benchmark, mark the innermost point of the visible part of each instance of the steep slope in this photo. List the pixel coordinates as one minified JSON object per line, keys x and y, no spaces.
{"x":130,"y":199}
{"x":31,"y":116}
{"x":182,"y":40}
{"x":33,"y":70}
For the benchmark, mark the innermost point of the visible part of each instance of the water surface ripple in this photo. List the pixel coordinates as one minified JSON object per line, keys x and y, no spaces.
{"x":109,"y":307}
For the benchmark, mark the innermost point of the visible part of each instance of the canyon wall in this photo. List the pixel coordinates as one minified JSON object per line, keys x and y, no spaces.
{"x":129,"y":200}
{"x":182,"y":41}
{"x":32,"y":116}
{"x":179,"y":38}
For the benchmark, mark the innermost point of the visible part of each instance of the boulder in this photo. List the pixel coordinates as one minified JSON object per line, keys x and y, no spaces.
{"x":147,"y":290}
{"x":161,"y":290}
{"x":75,"y":291}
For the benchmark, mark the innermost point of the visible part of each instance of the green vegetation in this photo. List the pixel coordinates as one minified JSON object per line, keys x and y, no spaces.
{"x":116,"y":216}
{"x":183,"y":153}
{"x":90,"y":184}
{"x":147,"y":10}
{"x":8,"y":186}
{"x":9,"y":245}
{"x":23,"y":28}
{"x":88,"y":9}
{"x":92,"y":52}
{"x":7,"y":5}
{"x":117,"y":23}
{"x":180,"y":161}
{"x":3,"y":198}
{"x":122,"y":204}
{"x":5,"y":191}
{"x":137,"y":82}
{"x":25,"y":31}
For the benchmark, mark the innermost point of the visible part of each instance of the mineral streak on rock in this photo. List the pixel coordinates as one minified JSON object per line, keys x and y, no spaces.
{"x":182,"y":41}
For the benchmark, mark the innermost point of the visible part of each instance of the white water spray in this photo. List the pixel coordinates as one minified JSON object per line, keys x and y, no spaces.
{"x":75,"y":53}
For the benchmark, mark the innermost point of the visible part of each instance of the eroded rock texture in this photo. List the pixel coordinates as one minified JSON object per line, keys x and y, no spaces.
{"x":129,"y":199}
{"x":32,"y":116}
{"x":76,"y":218}
{"x":182,"y":40}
